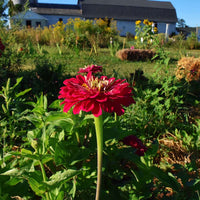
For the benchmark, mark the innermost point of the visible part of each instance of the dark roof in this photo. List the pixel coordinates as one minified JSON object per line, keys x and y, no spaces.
{"x":129,"y":10}
{"x":141,"y":3}
{"x":56,"y":9}
{"x":117,"y":9}
{"x":61,"y":6}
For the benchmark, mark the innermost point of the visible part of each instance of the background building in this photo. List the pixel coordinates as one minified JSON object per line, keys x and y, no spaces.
{"x":125,"y":13}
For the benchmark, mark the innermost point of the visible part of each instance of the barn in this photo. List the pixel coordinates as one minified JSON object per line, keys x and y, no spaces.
{"x":125,"y":13}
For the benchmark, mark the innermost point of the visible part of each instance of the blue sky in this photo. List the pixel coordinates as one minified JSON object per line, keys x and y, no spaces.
{"x":189,"y":10}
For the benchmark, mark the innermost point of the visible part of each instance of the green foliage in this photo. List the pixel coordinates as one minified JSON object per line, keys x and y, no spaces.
{"x":192,"y":41}
{"x":48,"y":154}
{"x":113,"y":47}
{"x":144,"y":34}
{"x":162,"y":57}
{"x":57,"y":157}
{"x":161,"y":104}
{"x":11,"y":114}
{"x":47,"y":128}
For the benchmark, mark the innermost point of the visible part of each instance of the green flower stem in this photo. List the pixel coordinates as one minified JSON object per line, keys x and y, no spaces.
{"x":99,"y":135}
{"x":78,"y":138}
{"x":44,"y":178}
{"x":116,"y":117}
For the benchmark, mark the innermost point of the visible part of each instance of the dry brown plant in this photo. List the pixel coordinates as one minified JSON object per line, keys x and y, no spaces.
{"x":135,"y":54}
{"x":188,"y":68}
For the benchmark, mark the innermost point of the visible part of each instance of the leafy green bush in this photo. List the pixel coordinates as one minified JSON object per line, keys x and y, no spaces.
{"x":158,"y":108}
{"x":55,"y":157}
{"x":192,"y":41}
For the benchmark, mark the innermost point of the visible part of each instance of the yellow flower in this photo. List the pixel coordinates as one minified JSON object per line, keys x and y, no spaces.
{"x":108,"y":29}
{"x":138,"y":22}
{"x":150,"y":23}
{"x":102,"y":22}
{"x":136,"y":37}
{"x":155,"y":29}
{"x":146,"y":21}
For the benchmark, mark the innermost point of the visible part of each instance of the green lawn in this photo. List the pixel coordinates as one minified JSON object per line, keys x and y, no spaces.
{"x":72,"y":60}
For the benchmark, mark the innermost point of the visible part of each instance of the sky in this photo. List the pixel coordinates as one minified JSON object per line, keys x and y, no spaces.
{"x":189,"y":10}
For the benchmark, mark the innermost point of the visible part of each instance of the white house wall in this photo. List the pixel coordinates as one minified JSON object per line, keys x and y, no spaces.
{"x":125,"y":27}
{"x":129,"y":27}
{"x":162,"y":28}
{"x":43,"y":23}
{"x":53,"y":19}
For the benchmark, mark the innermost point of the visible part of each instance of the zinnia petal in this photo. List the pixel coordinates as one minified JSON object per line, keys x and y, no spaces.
{"x":89,"y":93}
{"x":88,"y":106}
{"x":67,"y":106}
{"x":97,"y":111}
{"x":77,"y":108}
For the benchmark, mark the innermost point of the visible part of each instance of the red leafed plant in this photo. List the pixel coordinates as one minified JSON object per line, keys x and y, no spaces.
{"x":136,"y":143}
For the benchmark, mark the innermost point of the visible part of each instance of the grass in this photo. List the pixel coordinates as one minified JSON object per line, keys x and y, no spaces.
{"x":73,"y":59}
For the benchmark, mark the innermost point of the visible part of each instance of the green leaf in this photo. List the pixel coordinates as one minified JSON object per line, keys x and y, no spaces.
{"x":13,"y":181}
{"x":61,"y":177}
{"x":35,"y":120}
{"x":41,"y":105}
{"x":53,"y":116}
{"x":23,"y":92}
{"x":17,"y":83}
{"x":27,"y":154}
{"x":11,"y":172}
{"x":60,"y":196}
{"x":36,"y":183}
{"x":4,"y":108}
{"x":7,"y":86}
{"x":68,"y":154}
{"x":5,"y":158}
{"x":66,"y":124}
{"x":55,"y":104}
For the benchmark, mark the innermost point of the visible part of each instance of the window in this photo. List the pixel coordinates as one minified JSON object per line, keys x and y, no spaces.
{"x":108,"y":24}
{"x":38,"y":24}
{"x":28,"y":23}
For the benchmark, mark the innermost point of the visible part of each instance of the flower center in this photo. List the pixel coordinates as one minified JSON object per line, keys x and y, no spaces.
{"x":97,"y":84}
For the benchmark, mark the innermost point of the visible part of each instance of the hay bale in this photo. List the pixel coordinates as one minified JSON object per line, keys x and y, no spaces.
{"x":135,"y":54}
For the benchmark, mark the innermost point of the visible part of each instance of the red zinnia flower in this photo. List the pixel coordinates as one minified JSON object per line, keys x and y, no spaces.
{"x":20,"y":49}
{"x":89,"y":93}
{"x":92,"y":68}
{"x":2,"y":47}
{"x":136,"y":143}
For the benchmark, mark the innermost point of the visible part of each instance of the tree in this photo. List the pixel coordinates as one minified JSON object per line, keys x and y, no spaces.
{"x":11,"y":7}
{"x":3,"y":7}
{"x":3,"y":14}
{"x":14,"y":9}
{"x":181,"y":23}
